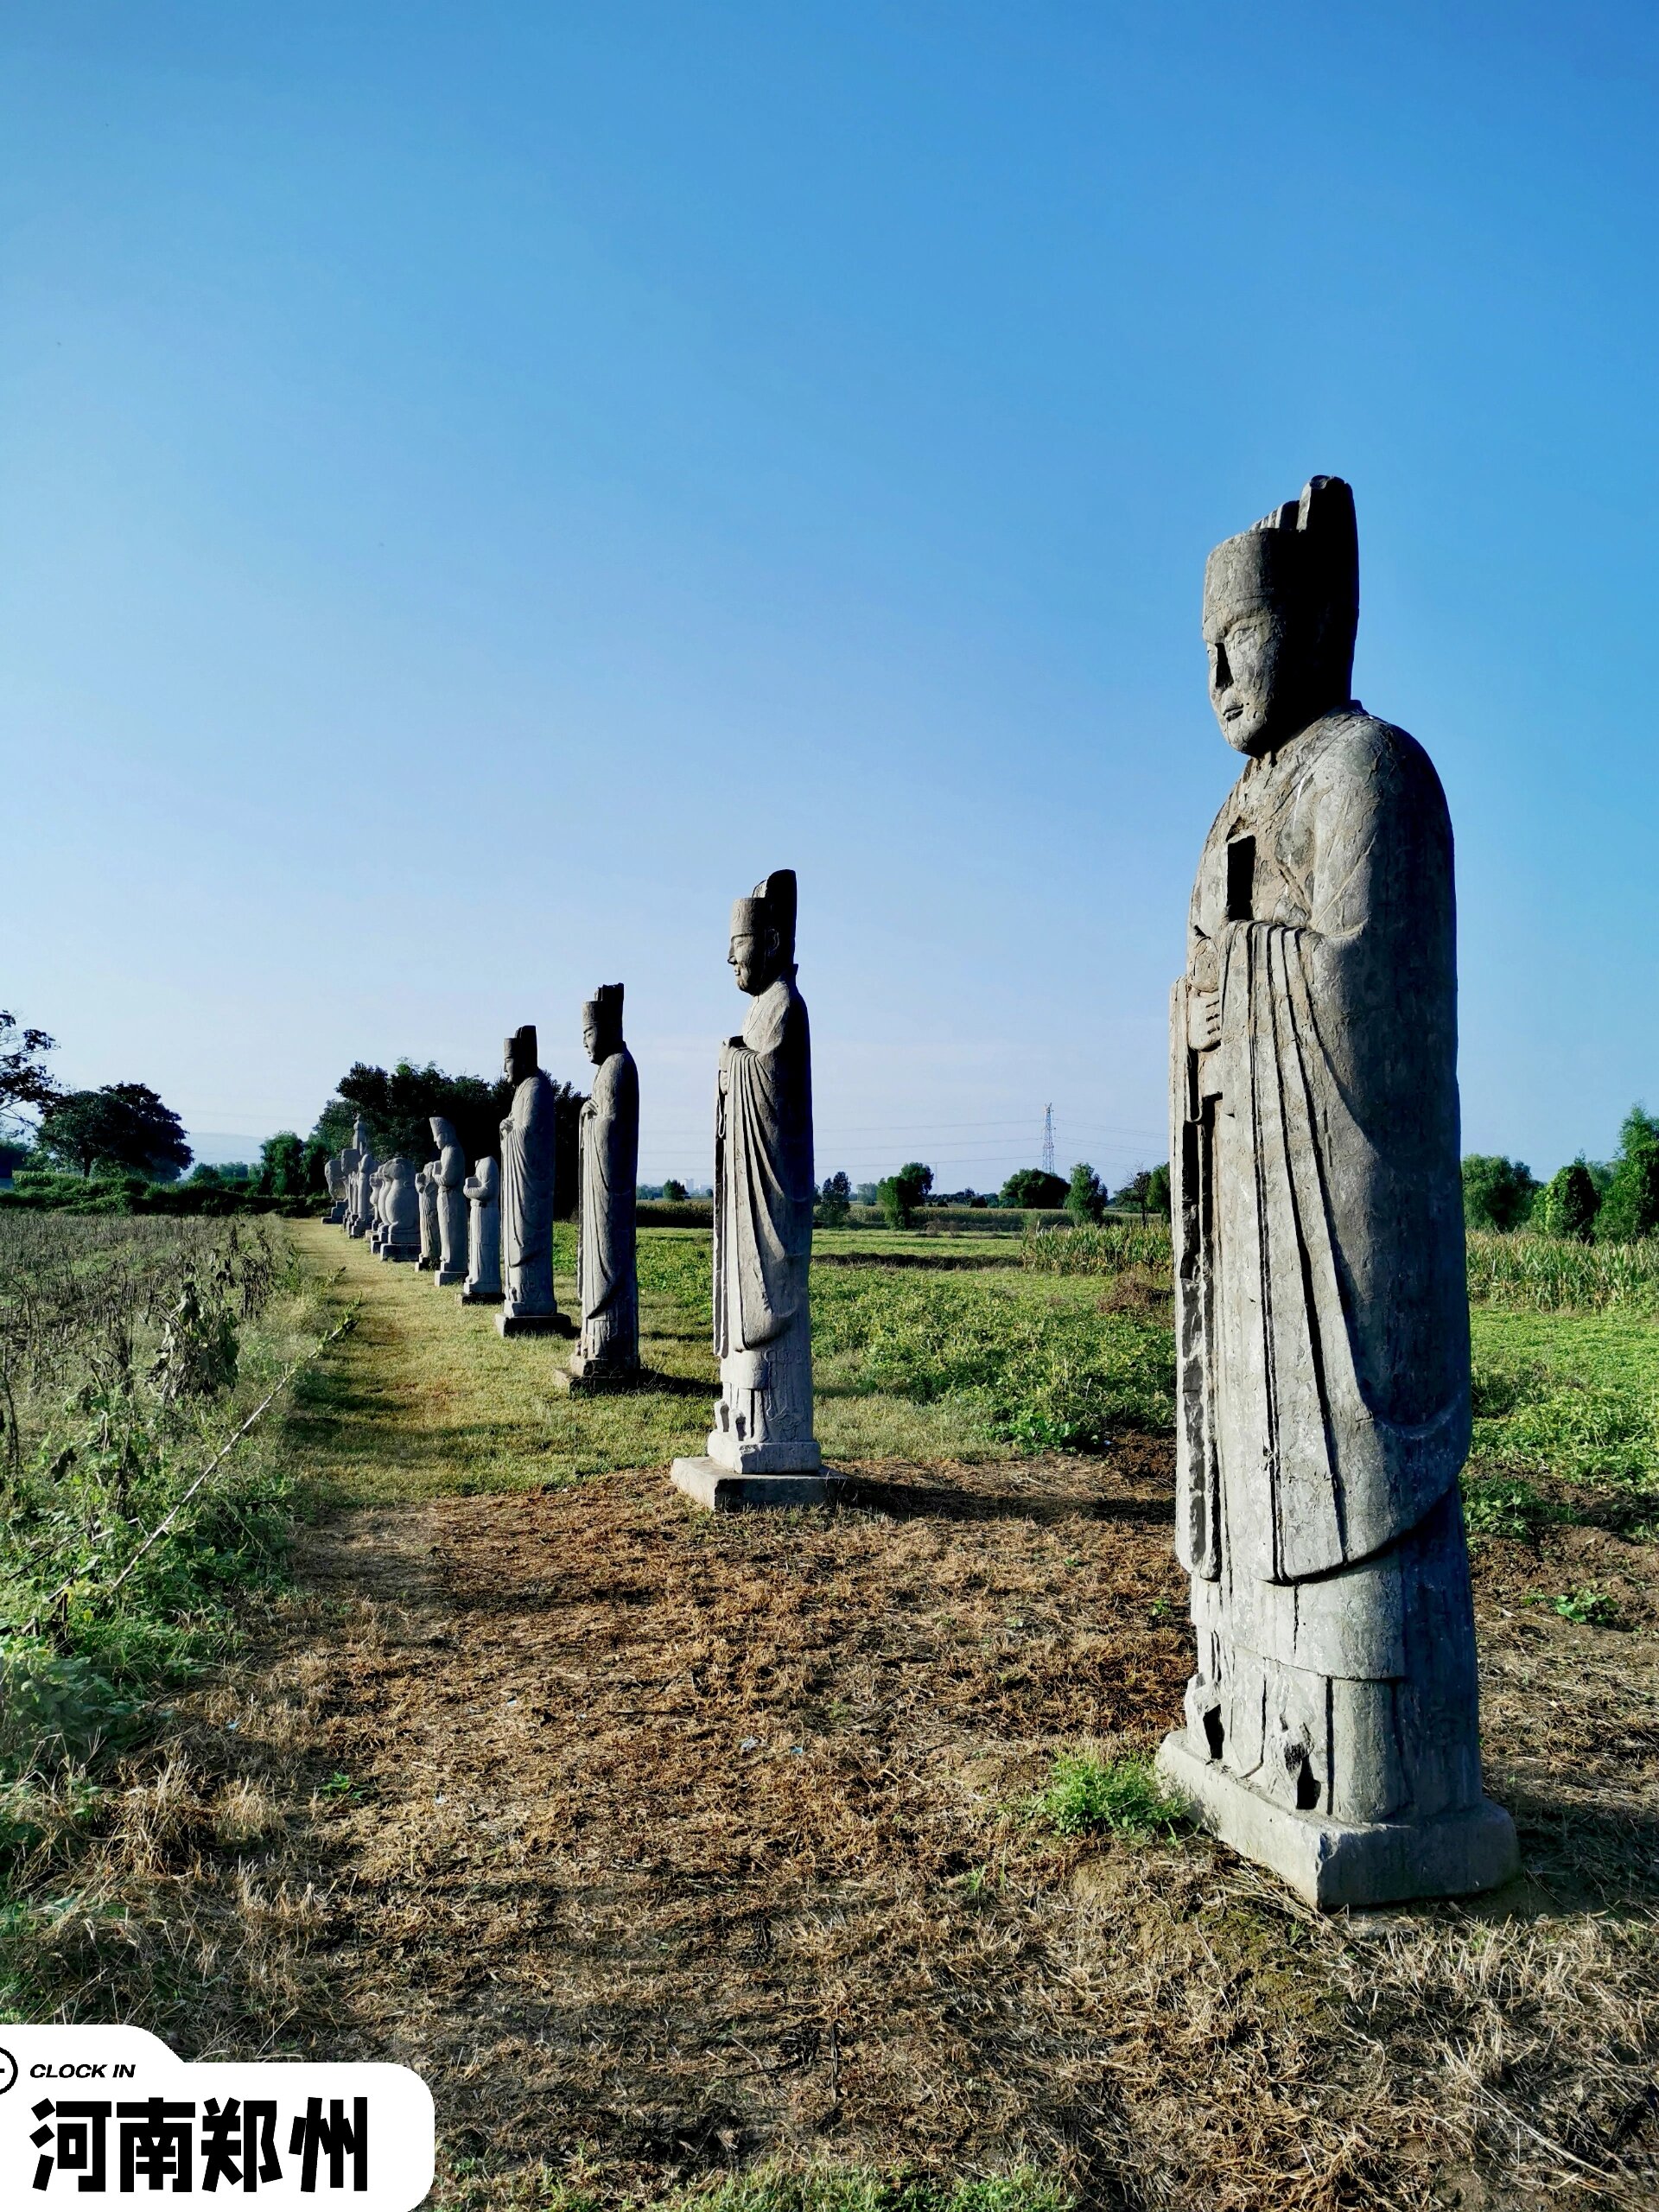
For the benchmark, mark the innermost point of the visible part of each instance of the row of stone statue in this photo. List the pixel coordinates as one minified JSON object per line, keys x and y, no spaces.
{"x":1321,"y":1312}
{"x":491,"y":1231}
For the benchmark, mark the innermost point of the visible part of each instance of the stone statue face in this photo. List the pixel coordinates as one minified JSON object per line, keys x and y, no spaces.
{"x":590,"y":1039}
{"x":754,"y":958}
{"x":1252,"y":678}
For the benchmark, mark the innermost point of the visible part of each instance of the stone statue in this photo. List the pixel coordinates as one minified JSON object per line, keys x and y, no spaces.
{"x":333,"y":1176}
{"x":482,"y":1190}
{"x":400,"y":1212}
{"x":529,"y":1307}
{"x":450,"y":1174}
{"x":607,"y":1287}
{"x":357,"y":1204}
{"x":379,"y":1192}
{"x":426,"y":1185}
{"x":1322,"y":1324}
{"x":762,"y":1451}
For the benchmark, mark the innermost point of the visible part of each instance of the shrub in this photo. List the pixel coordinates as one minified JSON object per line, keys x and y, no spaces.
{"x":1571,"y":1203}
{"x":1034,"y":1186}
{"x":1085,"y":1198}
{"x":1498,"y":1192}
{"x":834,"y":1201}
{"x":899,"y":1196}
{"x":1630,"y":1208}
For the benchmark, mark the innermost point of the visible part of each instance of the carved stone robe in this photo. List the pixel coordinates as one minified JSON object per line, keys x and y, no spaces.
{"x":483,"y":1194}
{"x":607,"y":1284}
{"x":763,"y":1196}
{"x":449,"y":1175}
{"x":426,"y":1184}
{"x":1321,"y":1308}
{"x":527,"y":1199}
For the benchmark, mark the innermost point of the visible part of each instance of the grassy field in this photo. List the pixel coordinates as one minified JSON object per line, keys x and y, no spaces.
{"x":813,"y":1861}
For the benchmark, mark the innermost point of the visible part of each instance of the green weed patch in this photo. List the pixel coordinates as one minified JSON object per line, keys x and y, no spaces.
{"x":1088,"y":1796}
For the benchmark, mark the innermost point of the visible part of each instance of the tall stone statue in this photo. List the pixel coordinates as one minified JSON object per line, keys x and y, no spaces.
{"x":451,"y":1179}
{"x":358,"y":1217}
{"x":529,"y":1307}
{"x":400,"y":1212}
{"x":377,"y":1176}
{"x":607,"y":1289}
{"x":762,"y":1451}
{"x":426,"y":1185}
{"x":333,"y":1176}
{"x":482,"y":1190}
{"x":1322,"y":1324}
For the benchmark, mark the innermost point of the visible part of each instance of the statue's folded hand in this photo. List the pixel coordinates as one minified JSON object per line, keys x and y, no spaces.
{"x":1202,"y":1021}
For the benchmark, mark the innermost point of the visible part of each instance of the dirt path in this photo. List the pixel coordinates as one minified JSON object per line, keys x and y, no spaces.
{"x":660,"y":1842}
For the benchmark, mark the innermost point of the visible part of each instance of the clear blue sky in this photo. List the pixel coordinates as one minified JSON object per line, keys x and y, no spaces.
{"x":480,"y":485}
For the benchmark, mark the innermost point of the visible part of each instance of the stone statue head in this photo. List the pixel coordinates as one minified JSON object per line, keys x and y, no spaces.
{"x":763,"y":933}
{"x":443,"y":1132}
{"x":520,"y":1062}
{"x":601,"y":1023}
{"x":1280,"y":605}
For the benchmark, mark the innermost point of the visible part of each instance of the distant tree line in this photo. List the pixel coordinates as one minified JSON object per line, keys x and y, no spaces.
{"x":1608,"y":1201}
{"x":902,"y":1196}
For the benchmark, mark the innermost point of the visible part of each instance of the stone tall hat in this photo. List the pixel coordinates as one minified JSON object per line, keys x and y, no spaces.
{"x":770,"y":907}
{"x":1301,"y":564}
{"x":605,"y":1007}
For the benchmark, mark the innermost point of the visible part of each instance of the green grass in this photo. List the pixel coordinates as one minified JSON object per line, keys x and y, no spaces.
{"x":1088,"y":1796}
{"x":1571,"y":1396}
{"x":1030,"y":1363}
{"x":1556,"y":1274}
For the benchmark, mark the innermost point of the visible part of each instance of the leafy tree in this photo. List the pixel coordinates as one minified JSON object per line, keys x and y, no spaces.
{"x":281,"y":1167}
{"x":674,"y":1190}
{"x":1034,"y":1186}
{"x":1498,"y":1192}
{"x":123,"y":1126}
{"x":1086,"y":1199}
{"x":834,"y":1201}
{"x":899,"y":1196}
{"x":1158,"y":1192}
{"x":1571,"y":1202}
{"x":25,"y":1086}
{"x":1629,"y":1207}
{"x":866,"y":1192}
{"x":398,"y":1103}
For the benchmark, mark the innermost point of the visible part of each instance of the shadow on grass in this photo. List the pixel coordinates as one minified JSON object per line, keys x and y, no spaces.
{"x":939,"y":1501}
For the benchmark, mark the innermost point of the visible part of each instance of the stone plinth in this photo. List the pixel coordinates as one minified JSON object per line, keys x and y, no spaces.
{"x":534,"y":1324}
{"x":472,"y":1297}
{"x":1335,"y":1864}
{"x":597,"y":1378}
{"x":719,"y":1490}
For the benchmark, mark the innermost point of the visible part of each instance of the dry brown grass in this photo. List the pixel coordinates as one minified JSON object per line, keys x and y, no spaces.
{"x":662,"y":1844}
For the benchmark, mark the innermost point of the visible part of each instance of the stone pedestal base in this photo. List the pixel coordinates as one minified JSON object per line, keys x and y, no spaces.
{"x":595,"y":1378}
{"x":336,"y":1212}
{"x":723,"y":1492}
{"x":410,"y":1253}
{"x":482,"y":1297}
{"x":1333,"y":1864}
{"x":533,"y":1324}
{"x":447,"y":1278}
{"x":352,"y":1231}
